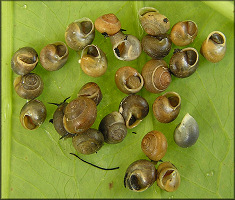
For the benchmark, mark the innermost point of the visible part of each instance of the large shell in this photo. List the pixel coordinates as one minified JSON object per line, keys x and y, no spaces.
{"x":33,"y":114}
{"x":154,"y":145}
{"x":24,"y":60}
{"x":214,"y":47}
{"x":79,"y":115}
{"x":54,"y":56}
{"x":167,"y":107}
{"x":93,"y":61}
{"x":28,"y":86}
{"x":134,"y":109}
{"x":80,"y":33}
{"x":113,"y":128}
{"x":125,"y":47}
{"x":153,"y":22}
{"x":140,"y":175}
{"x":128,"y":80}
{"x":156,"y":76}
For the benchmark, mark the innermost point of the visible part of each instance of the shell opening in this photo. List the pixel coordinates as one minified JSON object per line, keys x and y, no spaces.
{"x":132,"y":120}
{"x":174,"y":100}
{"x":167,"y":176}
{"x":92,"y":51}
{"x":86,"y":27}
{"x":120,"y":49}
{"x":133,"y":82}
{"x":61,"y":50}
{"x":28,"y":122}
{"x":28,"y":60}
{"x":134,"y":183}
{"x":192,"y":28}
{"x":217,"y":38}
{"x":191,"y":57}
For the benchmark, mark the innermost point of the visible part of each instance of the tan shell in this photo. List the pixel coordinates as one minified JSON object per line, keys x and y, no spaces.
{"x":156,"y":76}
{"x":128,"y":80}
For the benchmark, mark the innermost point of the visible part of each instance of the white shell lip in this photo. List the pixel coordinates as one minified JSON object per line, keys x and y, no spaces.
{"x":84,"y":51}
{"x":195,"y":51}
{"x":217,"y":32}
{"x":88,"y":20}
{"x":173,"y":94}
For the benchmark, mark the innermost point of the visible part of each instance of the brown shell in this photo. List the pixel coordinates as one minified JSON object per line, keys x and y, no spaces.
{"x":128,"y":80}
{"x":156,"y":76}
{"x":79,"y":115}
{"x":154,"y":145}
{"x":167,"y":107}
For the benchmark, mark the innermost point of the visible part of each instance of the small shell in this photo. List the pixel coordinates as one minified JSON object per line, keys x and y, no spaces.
{"x":183,"y":33}
{"x":93,"y":61}
{"x":24,"y":60}
{"x":187,"y":132}
{"x":168,"y":177}
{"x":125,"y":47}
{"x":184,"y":62}
{"x":88,"y":142}
{"x":140,"y":175}
{"x":79,"y":115}
{"x":214,"y":47}
{"x":108,"y":23}
{"x":156,"y":47}
{"x":154,"y":145}
{"x":128,"y":80}
{"x":92,"y":91}
{"x":167,"y":107}
{"x":134,"y":109}
{"x":153,"y":22}
{"x":28,"y":86}
{"x":112,"y":126}
{"x":54,"y":56}
{"x":80,"y":33}
{"x":33,"y":114}
{"x":156,"y":76}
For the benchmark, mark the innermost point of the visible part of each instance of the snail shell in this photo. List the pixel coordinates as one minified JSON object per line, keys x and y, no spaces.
{"x":28,"y":86}
{"x":113,"y":128}
{"x":125,"y":47}
{"x":153,"y":22}
{"x":183,"y":33}
{"x":88,"y":142}
{"x":128,"y":80}
{"x":54,"y":56}
{"x":24,"y":60}
{"x":140,"y":175}
{"x":184,"y":62}
{"x":91,"y":90}
{"x":168,"y":177}
{"x":33,"y":114}
{"x":214,"y":47}
{"x":93,"y":61}
{"x":134,"y":109}
{"x":156,"y":76}
{"x":79,"y":115}
{"x":154,"y":145}
{"x":108,"y":23}
{"x":80,"y":33}
{"x":186,"y":133}
{"x":167,"y":107}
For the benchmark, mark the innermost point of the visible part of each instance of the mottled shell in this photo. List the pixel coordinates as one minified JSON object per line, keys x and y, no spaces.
{"x":93,"y":61}
{"x":168,"y":177}
{"x":156,"y":47}
{"x":134,"y":109}
{"x":28,"y":86}
{"x":80,"y":33}
{"x":33,"y":114}
{"x":24,"y":60}
{"x":187,"y":132}
{"x":79,"y":115}
{"x":128,"y":80}
{"x":112,"y":126}
{"x":140,"y":175}
{"x":214,"y":47}
{"x":156,"y":76}
{"x":167,"y":107}
{"x":108,"y":23}
{"x":54,"y":56}
{"x":184,"y":62}
{"x":183,"y":33}
{"x":153,"y":22}
{"x":88,"y":142}
{"x":125,"y":47}
{"x":91,"y":90}
{"x":154,"y":145}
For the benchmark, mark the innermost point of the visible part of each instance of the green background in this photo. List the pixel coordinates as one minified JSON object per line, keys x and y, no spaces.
{"x":36,"y":164}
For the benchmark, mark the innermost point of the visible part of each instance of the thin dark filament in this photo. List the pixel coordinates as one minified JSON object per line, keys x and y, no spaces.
{"x":93,"y":164}
{"x":58,"y":104}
